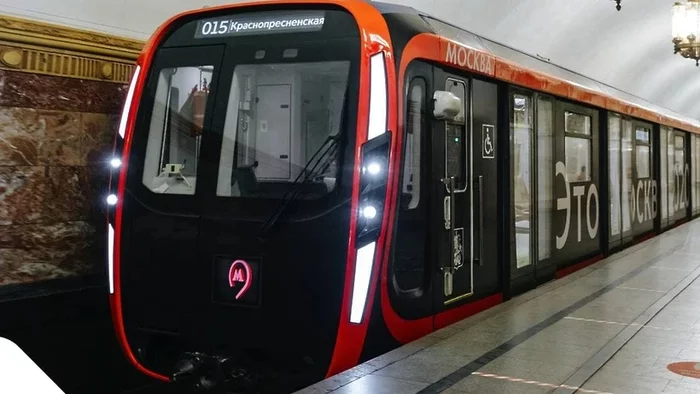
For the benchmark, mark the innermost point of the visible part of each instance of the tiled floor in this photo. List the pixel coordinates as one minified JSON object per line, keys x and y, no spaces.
{"x":613,"y":327}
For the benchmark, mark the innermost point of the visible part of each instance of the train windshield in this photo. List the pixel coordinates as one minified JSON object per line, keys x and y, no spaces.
{"x":283,"y":127}
{"x":258,"y":112}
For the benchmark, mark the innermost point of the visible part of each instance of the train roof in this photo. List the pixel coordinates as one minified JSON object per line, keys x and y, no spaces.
{"x":529,"y":61}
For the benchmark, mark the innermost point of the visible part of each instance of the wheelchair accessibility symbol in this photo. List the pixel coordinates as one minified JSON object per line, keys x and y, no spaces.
{"x":488,"y":142}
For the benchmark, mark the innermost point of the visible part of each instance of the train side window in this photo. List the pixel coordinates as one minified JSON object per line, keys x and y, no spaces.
{"x":522,"y":124}
{"x":643,"y":152}
{"x":627,"y":189}
{"x":671,"y":167}
{"x":455,"y":138}
{"x":545,"y":167}
{"x":663,"y":175}
{"x":578,"y":141}
{"x":614,"y":172}
{"x":415,"y":107}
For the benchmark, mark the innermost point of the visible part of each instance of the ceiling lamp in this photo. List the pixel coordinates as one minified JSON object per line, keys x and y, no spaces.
{"x":685,"y":29}
{"x":618,"y":6}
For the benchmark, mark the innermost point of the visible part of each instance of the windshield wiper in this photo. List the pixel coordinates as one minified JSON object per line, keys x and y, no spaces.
{"x":287,"y":198}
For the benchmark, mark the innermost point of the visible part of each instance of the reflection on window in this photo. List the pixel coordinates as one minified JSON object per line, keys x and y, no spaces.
{"x":627,"y":187}
{"x":679,"y":165}
{"x":414,"y":124}
{"x":679,"y":142}
{"x":456,"y":139}
{"x":577,"y":123}
{"x":643,"y":165}
{"x":614,"y":173}
{"x":643,"y":152}
{"x":578,"y":154}
{"x":642,"y":135}
{"x":671,"y":173}
{"x":279,"y":117}
{"x":696,"y":156}
{"x":693,"y":169}
{"x":577,"y":146}
{"x":664,"y":188}
{"x":175,"y":132}
{"x":545,"y":169}
{"x":696,"y":172}
{"x":521,"y":129}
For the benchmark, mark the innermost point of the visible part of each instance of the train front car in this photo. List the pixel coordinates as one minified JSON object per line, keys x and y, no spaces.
{"x":249,"y":201}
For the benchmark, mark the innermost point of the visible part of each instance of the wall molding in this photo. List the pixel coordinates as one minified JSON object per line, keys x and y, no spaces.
{"x":49,"y":49}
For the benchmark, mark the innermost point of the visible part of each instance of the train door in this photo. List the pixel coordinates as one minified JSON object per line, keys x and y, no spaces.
{"x":463,"y":174}
{"x":452,"y":187}
{"x":445,"y":249}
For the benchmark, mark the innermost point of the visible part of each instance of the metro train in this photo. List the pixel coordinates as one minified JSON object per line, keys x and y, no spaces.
{"x":303,"y":185}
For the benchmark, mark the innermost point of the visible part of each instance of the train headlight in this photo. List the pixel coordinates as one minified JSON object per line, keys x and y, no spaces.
{"x":369,"y":212}
{"x":373,"y":183}
{"x":373,"y":186}
{"x":112,"y":199}
{"x":115,"y":162}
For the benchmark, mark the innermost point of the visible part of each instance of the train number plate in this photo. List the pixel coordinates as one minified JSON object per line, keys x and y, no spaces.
{"x":237,"y":281}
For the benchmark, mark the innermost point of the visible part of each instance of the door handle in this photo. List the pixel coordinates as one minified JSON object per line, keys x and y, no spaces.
{"x":480,"y":210}
{"x":450,"y":184}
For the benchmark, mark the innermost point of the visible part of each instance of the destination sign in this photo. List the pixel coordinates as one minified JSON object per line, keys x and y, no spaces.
{"x":260,"y":24}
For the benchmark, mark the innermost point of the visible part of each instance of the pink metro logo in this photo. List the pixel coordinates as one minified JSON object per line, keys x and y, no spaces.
{"x":240,"y":272}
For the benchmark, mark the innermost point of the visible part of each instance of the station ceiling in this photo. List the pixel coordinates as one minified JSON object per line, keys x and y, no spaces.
{"x":630,"y":49}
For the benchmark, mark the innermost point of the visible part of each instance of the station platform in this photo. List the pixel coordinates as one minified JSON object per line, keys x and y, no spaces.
{"x":627,"y":324}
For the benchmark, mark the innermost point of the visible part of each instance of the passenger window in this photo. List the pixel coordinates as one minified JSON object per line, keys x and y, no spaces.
{"x":175,"y":132}
{"x":577,"y":128}
{"x":455,"y":139}
{"x":415,"y":105}
{"x":545,"y":166}
{"x":521,"y":137}
{"x":643,"y":152}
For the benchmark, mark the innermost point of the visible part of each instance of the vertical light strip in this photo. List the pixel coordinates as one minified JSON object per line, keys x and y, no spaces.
{"x":378,"y":97}
{"x":363,"y":272}
{"x":110,"y":258}
{"x":127,"y":103}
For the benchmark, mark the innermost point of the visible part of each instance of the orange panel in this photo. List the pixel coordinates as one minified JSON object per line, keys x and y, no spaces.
{"x":525,"y":77}
{"x":458,"y":55}
{"x":586,"y":96}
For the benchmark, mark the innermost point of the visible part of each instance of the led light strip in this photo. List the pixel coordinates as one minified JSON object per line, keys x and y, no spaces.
{"x":127,"y":103}
{"x":110,"y":257}
{"x":363,"y":272}
{"x":378,"y":97}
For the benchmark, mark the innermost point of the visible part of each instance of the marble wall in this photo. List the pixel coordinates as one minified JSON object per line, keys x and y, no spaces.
{"x":61,"y":93}
{"x":56,"y":135}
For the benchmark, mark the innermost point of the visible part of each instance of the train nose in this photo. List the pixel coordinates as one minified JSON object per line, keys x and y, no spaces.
{"x":206,"y":374}
{"x":201,"y":372}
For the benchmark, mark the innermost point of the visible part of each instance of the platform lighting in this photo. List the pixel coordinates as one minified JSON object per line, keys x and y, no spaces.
{"x":685,"y":29}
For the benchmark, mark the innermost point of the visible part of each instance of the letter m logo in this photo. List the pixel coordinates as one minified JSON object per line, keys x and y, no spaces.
{"x":238,"y":275}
